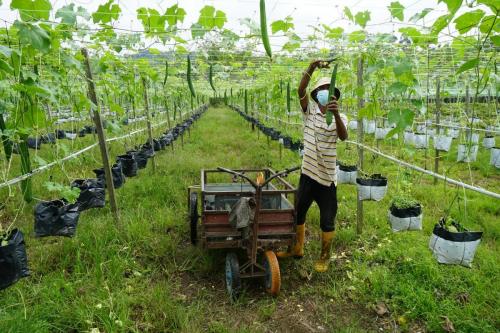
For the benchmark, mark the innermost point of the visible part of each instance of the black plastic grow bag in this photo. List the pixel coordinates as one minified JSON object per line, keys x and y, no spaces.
{"x":116,"y":173}
{"x":90,"y":129}
{"x":34,"y":143}
{"x":92,"y":193}
{"x":56,"y":218}
{"x":48,"y":138}
{"x":129,"y":165}
{"x":82,"y":133}
{"x":13,"y":259}
{"x":406,"y":212}
{"x":374,"y":180}
{"x":60,"y":134}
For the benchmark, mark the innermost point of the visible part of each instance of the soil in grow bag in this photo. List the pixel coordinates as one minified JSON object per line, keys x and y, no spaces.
{"x":34,"y":143}
{"x":373,"y":188}
{"x":129,"y":165}
{"x":92,"y":193}
{"x":456,"y":248}
{"x":56,"y":218}
{"x":405,"y":218}
{"x":13,"y":259}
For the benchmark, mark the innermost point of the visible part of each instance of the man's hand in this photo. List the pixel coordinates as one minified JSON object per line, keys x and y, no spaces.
{"x":319,"y":64}
{"x":332,"y":106}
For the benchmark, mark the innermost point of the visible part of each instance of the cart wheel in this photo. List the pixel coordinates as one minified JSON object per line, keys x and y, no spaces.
{"x":233,"y":281}
{"x":273,"y":275}
{"x":193,"y":217}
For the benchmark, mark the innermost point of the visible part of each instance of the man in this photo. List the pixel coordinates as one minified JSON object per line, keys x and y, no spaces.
{"x":318,"y":179}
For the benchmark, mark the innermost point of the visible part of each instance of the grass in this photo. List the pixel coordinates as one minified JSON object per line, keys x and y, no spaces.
{"x":142,"y":275}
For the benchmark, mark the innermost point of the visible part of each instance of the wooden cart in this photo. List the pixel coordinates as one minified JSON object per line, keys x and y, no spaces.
{"x":273,"y":223}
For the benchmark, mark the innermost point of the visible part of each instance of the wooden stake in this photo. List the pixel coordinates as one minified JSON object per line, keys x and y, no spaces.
{"x":361,"y":103}
{"x":438,"y":114}
{"x":148,"y":120}
{"x":103,"y":147}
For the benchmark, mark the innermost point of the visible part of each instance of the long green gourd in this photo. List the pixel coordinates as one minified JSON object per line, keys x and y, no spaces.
{"x":331,"y":92}
{"x":288,"y":106}
{"x":166,"y":73}
{"x":263,"y":29}
{"x":189,"y":79}
{"x":211,"y":78}
{"x":25,"y":168}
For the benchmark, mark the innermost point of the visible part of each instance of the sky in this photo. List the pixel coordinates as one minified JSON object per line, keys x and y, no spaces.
{"x":306,"y":13}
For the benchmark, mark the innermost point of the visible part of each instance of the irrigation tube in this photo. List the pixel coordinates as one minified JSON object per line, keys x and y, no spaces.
{"x":73,"y":155}
{"x":437,"y":175}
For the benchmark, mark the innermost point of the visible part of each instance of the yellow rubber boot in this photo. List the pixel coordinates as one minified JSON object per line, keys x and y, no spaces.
{"x":296,"y":251}
{"x":322,"y":264}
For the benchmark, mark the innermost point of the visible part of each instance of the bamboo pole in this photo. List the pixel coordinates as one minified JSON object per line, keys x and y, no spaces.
{"x":103,"y":147}
{"x":361,"y":103}
{"x":438,"y":128}
{"x":148,"y":121}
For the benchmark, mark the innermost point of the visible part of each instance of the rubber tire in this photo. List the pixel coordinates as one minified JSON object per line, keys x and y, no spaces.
{"x":193,"y":217}
{"x":272,"y":280}
{"x":233,"y":279}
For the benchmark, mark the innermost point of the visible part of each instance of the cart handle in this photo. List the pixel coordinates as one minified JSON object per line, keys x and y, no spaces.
{"x":255,"y":185}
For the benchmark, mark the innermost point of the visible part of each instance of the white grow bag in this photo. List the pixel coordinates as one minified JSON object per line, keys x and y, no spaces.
{"x":454,"y":132}
{"x":442,"y":142}
{"x":368,"y":126}
{"x":421,"y":141}
{"x":346,"y":174}
{"x":373,"y":188}
{"x":495,"y":157}
{"x":409,"y":138}
{"x":381,"y":133}
{"x":456,"y":248}
{"x":71,"y":136}
{"x":467,"y":153}
{"x":405,"y":219}
{"x":489,"y":142}
{"x":353,"y":124}
{"x":474,"y":138}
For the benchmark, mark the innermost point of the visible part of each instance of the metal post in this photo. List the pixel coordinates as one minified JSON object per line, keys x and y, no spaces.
{"x":101,"y":136}
{"x":148,"y":120}
{"x":438,"y":115}
{"x":359,"y":137}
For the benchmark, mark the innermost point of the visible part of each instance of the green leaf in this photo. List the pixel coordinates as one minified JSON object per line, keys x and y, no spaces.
{"x":106,"y":13}
{"x":333,"y":33}
{"x":492,"y":4}
{"x":402,"y":118}
{"x":5,"y":51}
{"x":357,"y":36}
{"x":418,"y":16}
{"x":397,"y":88}
{"x":397,"y":10}
{"x":67,"y":14}
{"x":282,"y":25}
{"x":469,"y":20}
{"x":411,"y":33}
{"x":495,"y":40}
{"x":33,"y":35}
{"x":151,"y":20}
{"x":210,"y":18}
{"x":453,"y":5}
{"x":290,"y":46}
{"x":486,"y":24}
{"x":441,"y":23}
{"x":39,"y":161}
{"x":401,"y":68}
{"x":175,"y":14}
{"x":467,"y":65}
{"x":32,"y":10}
{"x":362,"y":18}
{"x":348,"y":13}
{"x":6,"y":67}
{"x":197,"y":30}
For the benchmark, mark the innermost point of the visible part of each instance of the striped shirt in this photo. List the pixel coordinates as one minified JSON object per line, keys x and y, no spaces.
{"x":320,"y":146}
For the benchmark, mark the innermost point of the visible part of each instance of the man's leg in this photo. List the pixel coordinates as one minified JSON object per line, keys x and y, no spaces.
{"x":304,"y":201}
{"x":326,"y":198}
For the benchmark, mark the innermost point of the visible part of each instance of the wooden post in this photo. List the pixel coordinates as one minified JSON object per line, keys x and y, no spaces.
{"x":438,"y":115}
{"x":103,"y":147}
{"x":148,"y":120}
{"x":359,"y":137}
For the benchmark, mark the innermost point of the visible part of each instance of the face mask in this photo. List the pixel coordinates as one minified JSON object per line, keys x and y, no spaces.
{"x":322,"y":97}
